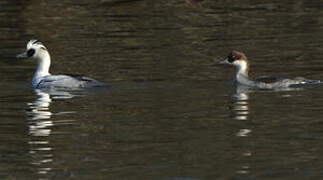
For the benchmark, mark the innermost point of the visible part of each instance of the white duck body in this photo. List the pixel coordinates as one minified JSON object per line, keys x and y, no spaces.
{"x":66,"y":81}
{"x":239,"y":60}
{"x":43,"y":79}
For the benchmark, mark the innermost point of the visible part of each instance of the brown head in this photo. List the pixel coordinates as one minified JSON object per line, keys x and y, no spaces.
{"x":239,"y":60}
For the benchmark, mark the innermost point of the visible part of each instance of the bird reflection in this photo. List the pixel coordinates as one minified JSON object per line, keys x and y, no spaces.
{"x":39,"y":115}
{"x":240,"y":109}
{"x":240,"y":112}
{"x":40,"y":128}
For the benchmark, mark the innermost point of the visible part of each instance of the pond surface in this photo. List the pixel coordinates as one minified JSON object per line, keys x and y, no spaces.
{"x":172,"y":113}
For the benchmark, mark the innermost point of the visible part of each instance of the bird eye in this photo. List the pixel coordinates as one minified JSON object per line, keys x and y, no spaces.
{"x":30,"y":52}
{"x":231,"y":58}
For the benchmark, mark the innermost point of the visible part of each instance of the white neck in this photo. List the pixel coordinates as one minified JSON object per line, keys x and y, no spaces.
{"x":242,"y":73}
{"x":242,"y":67}
{"x":42,"y":70}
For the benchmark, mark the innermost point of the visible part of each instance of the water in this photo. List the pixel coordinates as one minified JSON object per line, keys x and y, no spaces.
{"x":172,"y":112}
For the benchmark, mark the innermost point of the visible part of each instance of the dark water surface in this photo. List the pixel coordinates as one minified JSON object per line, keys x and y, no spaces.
{"x":172,"y":113}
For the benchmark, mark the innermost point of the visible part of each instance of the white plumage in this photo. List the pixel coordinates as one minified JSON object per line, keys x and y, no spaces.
{"x":43,"y":79}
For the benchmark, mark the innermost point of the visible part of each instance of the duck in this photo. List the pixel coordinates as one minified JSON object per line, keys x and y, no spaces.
{"x":43,"y":79}
{"x":240,"y":61}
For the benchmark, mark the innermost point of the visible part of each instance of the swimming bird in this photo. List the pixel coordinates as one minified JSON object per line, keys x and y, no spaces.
{"x":43,"y":79}
{"x":240,"y":61}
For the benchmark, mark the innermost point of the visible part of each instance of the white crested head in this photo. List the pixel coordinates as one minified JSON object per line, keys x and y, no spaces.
{"x":239,"y":60}
{"x":36,"y":50}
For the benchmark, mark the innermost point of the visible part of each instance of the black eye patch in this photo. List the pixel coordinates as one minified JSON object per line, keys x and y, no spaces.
{"x":231,"y":58}
{"x":30,"y":52}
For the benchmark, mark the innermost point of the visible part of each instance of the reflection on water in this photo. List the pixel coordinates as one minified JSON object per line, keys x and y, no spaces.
{"x":39,"y":109}
{"x":240,"y":105}
{"x":240,"y":111}
{"x":40,"y":127}
{"x":39,"y":113}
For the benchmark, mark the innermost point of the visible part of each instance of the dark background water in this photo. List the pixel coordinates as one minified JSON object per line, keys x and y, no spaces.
{"x":172,"y":112}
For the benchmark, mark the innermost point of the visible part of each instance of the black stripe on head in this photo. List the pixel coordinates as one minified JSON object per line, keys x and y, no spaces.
{"x":30,"y":52}
{"x":35,"y":41}
{"x":231,"y":57}
{"x":43,"y":48}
